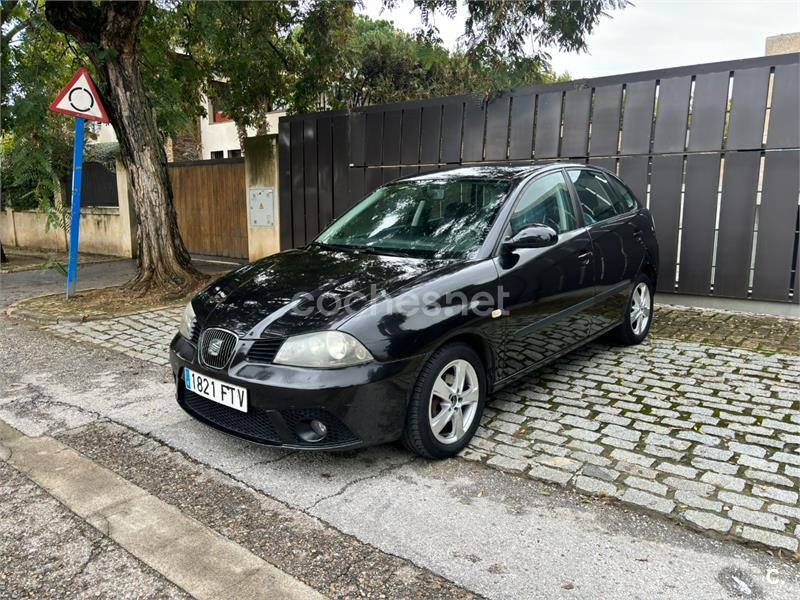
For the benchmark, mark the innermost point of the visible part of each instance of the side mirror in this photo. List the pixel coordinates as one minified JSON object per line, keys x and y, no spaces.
{"x":535,"y":236}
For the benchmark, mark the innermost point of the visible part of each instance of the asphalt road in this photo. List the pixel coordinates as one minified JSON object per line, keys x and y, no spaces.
{"x":448,"y":523}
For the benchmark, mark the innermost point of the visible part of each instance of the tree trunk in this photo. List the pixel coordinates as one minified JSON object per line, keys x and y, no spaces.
{"x":108,"y":34}
{"x":3,"y":258}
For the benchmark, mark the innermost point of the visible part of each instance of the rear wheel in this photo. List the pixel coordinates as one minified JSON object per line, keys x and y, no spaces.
{"x":447,"y":402}
{"x":638,"y":313}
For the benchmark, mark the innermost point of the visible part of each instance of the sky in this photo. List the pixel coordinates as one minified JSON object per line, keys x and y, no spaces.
{"x":653,"y":34}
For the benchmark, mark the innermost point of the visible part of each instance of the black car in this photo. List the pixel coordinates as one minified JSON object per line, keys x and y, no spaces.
{"x":400,"y":319}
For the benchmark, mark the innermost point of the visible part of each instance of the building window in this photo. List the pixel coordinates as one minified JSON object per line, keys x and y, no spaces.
{"x":216,"y":108}
{"x":216,"y":154}
{"x":234,"y":153}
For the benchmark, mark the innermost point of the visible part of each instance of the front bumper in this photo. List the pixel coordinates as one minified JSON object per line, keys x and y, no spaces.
{"x":361,"y":405}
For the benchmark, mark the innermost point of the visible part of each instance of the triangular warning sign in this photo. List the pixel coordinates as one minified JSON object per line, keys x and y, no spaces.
{"x":79,"y":98}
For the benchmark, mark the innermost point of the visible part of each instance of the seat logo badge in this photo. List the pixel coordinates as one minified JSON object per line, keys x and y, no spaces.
{"x":214,"y":347}
{"x":497,"y":313}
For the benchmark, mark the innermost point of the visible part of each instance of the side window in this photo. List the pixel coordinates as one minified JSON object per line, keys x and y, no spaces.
{"x":624,"y":193}
{"x":596,"y":196}
{"x":545,"y":201}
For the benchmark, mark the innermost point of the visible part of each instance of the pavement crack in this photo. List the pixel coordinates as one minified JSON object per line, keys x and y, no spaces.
{"x":358,"y":480}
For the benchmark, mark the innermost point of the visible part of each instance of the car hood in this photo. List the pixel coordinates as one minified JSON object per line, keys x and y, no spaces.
{"x":310,"y":289}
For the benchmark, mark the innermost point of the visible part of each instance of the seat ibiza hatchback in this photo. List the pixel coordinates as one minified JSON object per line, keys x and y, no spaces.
{"x":406,"y":313}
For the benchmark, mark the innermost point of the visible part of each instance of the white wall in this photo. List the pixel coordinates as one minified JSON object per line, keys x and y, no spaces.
{"x":222,"y":136}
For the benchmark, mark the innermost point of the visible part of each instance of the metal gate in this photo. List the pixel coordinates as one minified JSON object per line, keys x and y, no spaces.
{"x":210,"y":202}
{"x":712,"y":149}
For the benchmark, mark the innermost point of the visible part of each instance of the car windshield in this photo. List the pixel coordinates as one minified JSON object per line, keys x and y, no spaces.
{"x":441,"y":218}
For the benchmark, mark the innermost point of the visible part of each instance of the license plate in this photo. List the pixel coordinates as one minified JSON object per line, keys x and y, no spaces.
{"x":229,"y":395}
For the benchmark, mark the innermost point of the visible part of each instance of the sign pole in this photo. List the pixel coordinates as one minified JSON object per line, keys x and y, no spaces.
{"x":75,"y":220}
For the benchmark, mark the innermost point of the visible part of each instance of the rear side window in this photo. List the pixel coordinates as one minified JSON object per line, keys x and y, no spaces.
{"x":598,"y":199}
{"x":624,"y":193}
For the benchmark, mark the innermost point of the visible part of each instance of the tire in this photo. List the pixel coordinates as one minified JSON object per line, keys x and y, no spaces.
{"x":439,"y":437}
{"x":632,"y":330}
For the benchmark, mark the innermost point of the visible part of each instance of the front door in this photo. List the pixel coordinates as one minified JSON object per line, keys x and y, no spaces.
{"x":546,"y":291}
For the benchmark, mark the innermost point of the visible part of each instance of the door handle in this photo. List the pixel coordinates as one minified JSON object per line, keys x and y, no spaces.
{"x":585,"y":256}
{"x":637,"y":234}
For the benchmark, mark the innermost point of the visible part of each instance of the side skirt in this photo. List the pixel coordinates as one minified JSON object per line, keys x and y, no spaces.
{"x":498,"y":385}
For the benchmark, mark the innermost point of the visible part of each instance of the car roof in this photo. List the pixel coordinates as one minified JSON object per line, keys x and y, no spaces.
{"x":497,"y":172}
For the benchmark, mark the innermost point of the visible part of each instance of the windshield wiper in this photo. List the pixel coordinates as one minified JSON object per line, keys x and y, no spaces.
{"x":382,"y":251}
{"x":336,"y":247}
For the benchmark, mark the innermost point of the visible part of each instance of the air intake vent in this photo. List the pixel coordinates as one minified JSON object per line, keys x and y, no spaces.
{"x":217,"y":347}
{"x":265,"y":349}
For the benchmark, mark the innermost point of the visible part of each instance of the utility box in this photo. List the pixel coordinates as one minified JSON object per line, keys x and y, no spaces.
{"x":261,"y":208}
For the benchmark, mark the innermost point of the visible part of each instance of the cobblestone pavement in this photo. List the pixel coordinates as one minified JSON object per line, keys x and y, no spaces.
{"x":701,"y":432}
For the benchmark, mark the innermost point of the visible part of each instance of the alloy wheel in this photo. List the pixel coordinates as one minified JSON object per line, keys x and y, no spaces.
{"x":454,"y":401}
{"x":640,"y":308}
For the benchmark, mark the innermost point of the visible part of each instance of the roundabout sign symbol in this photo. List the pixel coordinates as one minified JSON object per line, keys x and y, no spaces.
{"x":79,"y":98}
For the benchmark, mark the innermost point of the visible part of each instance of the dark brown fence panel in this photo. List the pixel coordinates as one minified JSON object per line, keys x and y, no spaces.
{"x":708,"y":111}
{"x":520,"y":143}
{"x":324,"y":171}
{"x":310,"y":178}
{"x":775,"y":245}
{"x":392,"y":122}
{"x":410,"y":136}
{"x":665,"y":198}
{"x":341,"y":165}
{"x":671,"y":114}
{"x":452,"y":128}
{"x":784,"y":121}
{"x":605,"y":120}
{"x":298,"y":220}
{"x":211,"y":206}
{"x":577,"y":105}
{"x":748,"y":106}
{"x":497,"y":128}
{"x":635,"y":171}
{"x":474,"y":120}
{"x":667,"y":133}
{"x":699,"y":220}
{"x":430,"y":134}
{"x":548,"y":125}
{"x":736,"y":219}
{"x":637,"y":118}
{"x":285,"y":183}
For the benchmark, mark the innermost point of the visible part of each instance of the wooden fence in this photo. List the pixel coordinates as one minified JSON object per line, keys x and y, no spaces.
{"x":211,"y":205}
{"x":712,"y":149}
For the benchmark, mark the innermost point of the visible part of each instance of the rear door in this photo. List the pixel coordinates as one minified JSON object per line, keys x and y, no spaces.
{"x":545,"y":291}
{"x":610,"y":213}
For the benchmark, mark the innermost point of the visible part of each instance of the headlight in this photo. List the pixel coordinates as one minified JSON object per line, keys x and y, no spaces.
{"x":323,"y":349}
{"x":187,"y":321}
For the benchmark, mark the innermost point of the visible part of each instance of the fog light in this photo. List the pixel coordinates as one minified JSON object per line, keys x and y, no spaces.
{"x":311,"y":431}
{"x":319,"y":428}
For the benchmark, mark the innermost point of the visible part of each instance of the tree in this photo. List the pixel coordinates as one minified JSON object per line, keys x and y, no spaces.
{"x":384,"y":65}
{"x":108,"y":34}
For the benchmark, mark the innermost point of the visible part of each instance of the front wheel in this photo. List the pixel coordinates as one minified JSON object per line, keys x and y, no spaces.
{"x":638,"y":313}
{"x":446,"y":403}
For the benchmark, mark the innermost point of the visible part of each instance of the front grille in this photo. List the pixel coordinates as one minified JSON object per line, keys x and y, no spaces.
{"x":264,"y":350}
{"x":254,"y":424}
{"x":338,"y":433}
{"x":217,"y":347}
